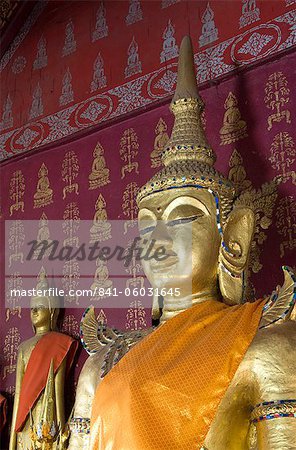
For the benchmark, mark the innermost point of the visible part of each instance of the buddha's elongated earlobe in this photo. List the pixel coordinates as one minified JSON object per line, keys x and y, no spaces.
{"x":234,"y":254}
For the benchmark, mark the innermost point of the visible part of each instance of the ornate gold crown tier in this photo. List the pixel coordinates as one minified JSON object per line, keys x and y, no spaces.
{"x":189,"y":173}
{"x":188,"y":140}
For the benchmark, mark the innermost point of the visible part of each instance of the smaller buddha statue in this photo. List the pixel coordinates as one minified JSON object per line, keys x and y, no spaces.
{"x":43,"y":194}
{"x":159,"y":143}
{"x":101,"y":281}
{"x":234,"y":128}
{"x":33,"y":363}
{"x":101,"y":229}
{"x":99,"y":175}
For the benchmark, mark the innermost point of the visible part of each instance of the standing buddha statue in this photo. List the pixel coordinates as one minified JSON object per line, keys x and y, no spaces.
{"x":33,"y":363}
{"x":218,"y":372}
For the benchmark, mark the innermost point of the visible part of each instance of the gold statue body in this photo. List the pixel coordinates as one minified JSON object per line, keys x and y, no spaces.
{"x":190,"y":198}
{"x":44,"y":314}
{"x":265,"y":374}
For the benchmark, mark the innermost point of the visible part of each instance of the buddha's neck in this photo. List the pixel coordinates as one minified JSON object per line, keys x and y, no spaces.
{"x":175,"y":305}
{"x":42,"y":330}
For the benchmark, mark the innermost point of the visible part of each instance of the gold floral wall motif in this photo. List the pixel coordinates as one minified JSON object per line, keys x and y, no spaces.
{"x":276,"y":96}
{"x":43,"y":195}
{"x":70,"y":170}
{"x":129,"y":205}
{"x":10,"y":390}
{"x":16,"y":239}
{"x":234,"y":127}
{"x":129,"y":146}
{"x":71,"y":269}
{"x":11,"y":344}
{"x":101,"y":228}
{"x":286,"y":224}
{"x":15,"y":281}
{"x":159,"y":143}
{"x":70,"y":326}
{"x":99,"y":175}
{"x":136,"y":316}
{"x":17,"y":191}
{"x":282,"y":155}
{"x":71,"y":224}
{"x":237,"y":173}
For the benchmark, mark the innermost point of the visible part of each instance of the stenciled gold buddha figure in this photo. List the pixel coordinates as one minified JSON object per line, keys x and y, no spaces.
{"x":99,"y":175}
{"x":101,"y":281}
{"x":101,"y":228}
{"x":35,"y":357}
{"x":218,"y":372}
{"x":43,"y":234}
{"x":234,"y":127}
{"x":43,"y":194}
{"x":159,"y":143}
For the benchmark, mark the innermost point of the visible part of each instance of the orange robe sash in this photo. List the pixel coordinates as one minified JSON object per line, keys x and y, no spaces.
{"x":52,"y":346}
{"x":165,"y":392}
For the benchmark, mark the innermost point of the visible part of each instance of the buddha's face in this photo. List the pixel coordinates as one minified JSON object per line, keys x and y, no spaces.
{"x":183,"y":221}
{"x":40,"y":312}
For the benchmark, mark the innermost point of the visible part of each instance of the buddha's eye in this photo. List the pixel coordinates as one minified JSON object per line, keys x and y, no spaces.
{"x":183,"y":220}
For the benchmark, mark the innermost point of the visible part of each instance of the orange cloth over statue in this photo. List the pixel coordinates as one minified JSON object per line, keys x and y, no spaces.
{"x":52,"y":346}
{"x":165,"y":392}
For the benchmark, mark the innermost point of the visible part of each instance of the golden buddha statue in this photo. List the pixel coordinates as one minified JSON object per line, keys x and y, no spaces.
{"x":218,"y":372}
{"x":99,"y":175}
{"x":34,"y":360}
{"x":43,"y":194}
{"x":101,"y":228}
{"x":234,"y":127}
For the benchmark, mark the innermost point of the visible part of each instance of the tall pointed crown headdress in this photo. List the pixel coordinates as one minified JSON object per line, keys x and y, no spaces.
{"x":188,"y":158}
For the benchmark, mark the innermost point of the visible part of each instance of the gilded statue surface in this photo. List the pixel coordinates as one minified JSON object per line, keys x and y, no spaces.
{"x":218,"y":372}
{"x":35,"y":401}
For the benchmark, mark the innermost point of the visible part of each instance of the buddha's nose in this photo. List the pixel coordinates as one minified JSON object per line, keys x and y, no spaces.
{"x":161,"y":236}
